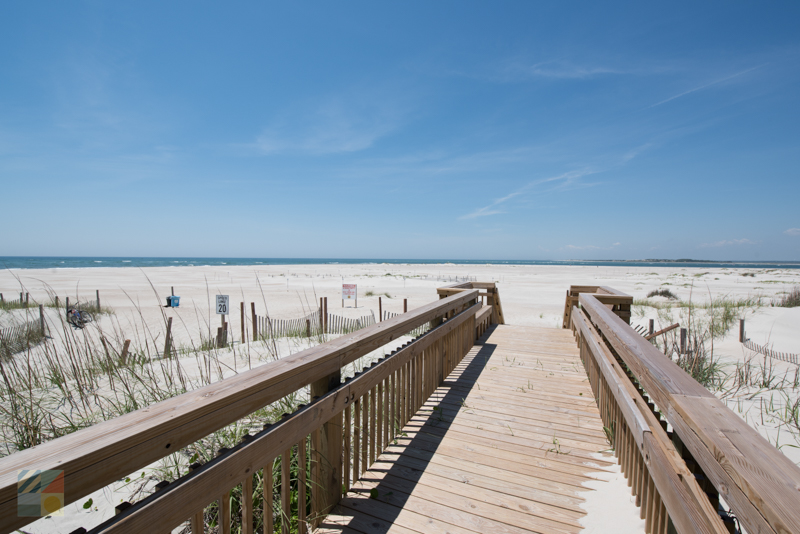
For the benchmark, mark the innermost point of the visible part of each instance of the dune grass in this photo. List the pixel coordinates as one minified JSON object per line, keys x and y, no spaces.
{"x":788,"y":300}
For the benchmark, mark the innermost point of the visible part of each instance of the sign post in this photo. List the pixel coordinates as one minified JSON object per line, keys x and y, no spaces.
{"x":222,"y":308}
{"x":349,"y":292}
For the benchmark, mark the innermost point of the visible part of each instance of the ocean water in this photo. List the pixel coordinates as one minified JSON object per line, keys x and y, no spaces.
{"x":65,"y":262}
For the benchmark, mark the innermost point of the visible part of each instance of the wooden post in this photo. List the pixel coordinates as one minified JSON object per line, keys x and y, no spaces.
{"x":1,"y":295}
{"x":380,"y":310}
{"x":172,"y":290}
{"x":683,"y":341}
{"x":168,"y":339}
{"x":124,"y":354}
{"x":321,"y":315}
{"x":308,"y":327}
{"x":405,"y":305}
{"x":241,"y":307}
{"x":41,"y":318}
{"x":98,"y":301}
{"x":255,"y":320}
{"x":741,"y":331}
{"x":27,"y":299}
{"x":1,"y":298}
{"x":326,"y":315}
{"x":652,"y":326}
{"x":327,"y":451}
{"x":66,"y":305}
{"x":219,"y":337}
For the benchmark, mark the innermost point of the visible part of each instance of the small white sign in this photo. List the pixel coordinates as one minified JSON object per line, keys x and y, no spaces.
{"x":349,"y":291}
{"x":223,"y":305}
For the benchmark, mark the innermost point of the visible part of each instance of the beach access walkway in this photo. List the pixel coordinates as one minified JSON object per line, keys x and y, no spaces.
{"x":467,"y":425}
{"x":503,"y":445}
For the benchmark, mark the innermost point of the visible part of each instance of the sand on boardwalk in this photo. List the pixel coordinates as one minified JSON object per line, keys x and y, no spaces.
{"x":531,"y":295}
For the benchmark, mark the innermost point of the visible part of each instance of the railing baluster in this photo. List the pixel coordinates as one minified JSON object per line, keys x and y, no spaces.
{"x":301,"y":485}
{"x":356,"y":440}
{"x":346,"y":451}
{"x":373,"y":424}
{"x":268,"y":501}
{"x":315,"y":475}
{"x":247,"y":505}
{"x":286,"y":491}
{"x":387,"y":413}
{"x":379,"y":420}
{"x":365,"y":433}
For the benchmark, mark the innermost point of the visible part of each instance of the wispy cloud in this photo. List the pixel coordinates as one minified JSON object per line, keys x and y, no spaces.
{"x":339,"y":124}
{"x":563,"y":180}
{"x":561,"y":69}
{"x":792,"y":231}
{"x":706,"y":85}
{"x":727,"y":243}
{"x":556,"y":69}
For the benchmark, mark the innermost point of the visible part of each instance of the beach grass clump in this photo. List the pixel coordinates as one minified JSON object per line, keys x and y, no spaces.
{"x":8,"y":305}
{"x":788,"y":300}
{"x":663,"y":292}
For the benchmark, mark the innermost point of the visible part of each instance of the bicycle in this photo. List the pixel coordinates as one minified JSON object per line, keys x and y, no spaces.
{"x":78,"y":318}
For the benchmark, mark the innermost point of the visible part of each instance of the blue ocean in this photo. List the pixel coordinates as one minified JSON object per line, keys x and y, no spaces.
{"x":65,"y":262}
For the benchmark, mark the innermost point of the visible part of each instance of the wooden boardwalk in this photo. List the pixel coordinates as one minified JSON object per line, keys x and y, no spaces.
{"x":503,"y":446}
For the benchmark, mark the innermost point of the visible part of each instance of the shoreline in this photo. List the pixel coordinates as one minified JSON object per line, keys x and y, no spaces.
{"x":32,"y":263}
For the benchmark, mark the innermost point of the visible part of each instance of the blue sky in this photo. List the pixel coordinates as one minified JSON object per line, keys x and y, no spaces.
{"x":474,"y":130}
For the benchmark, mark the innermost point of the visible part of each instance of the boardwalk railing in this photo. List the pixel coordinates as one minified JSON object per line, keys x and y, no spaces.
{"x":304,"y":461}
{"x":490,"y":295}
{"x":680,"y":448}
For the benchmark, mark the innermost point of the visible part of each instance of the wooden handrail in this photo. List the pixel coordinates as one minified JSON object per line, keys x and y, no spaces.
{"x":761,"y":485}
{"x":97,"y":456}
{"x":687,"y":505}
{"x":492,"y":295}
{"x":620,"y":302}
{"x":182,"y":498}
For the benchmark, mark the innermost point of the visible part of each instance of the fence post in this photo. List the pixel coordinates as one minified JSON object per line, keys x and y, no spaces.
{"x":380,"y":310}
{"x":255,"y":320}
{"x":741,"y":331}
{"x":308,"y":327}
{"x":66,"y":306}
{"x":652,"y":327}
{"x":326,"y":315}
{"x":56,"y":300}
{"x":27,"y":296}
{"x":327,"y":451}
{"x":98,"y":301}
{"x":168,"y":339}
{"x":683,"y":341}
{"x":41,"y":318}
{"x":321,"y":315}
{"x":241,"y":307}
{"x":124,"y":354}
{"x":405,"y":305}
{"x":1,"y":298}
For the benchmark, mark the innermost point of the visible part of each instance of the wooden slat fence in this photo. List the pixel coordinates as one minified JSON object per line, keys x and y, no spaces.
{"x":310,"y":325}
{"x":783,"y":356}
{"x":17,"y":338}
{"x":681,"y":449}
{"x":286,"y":476}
